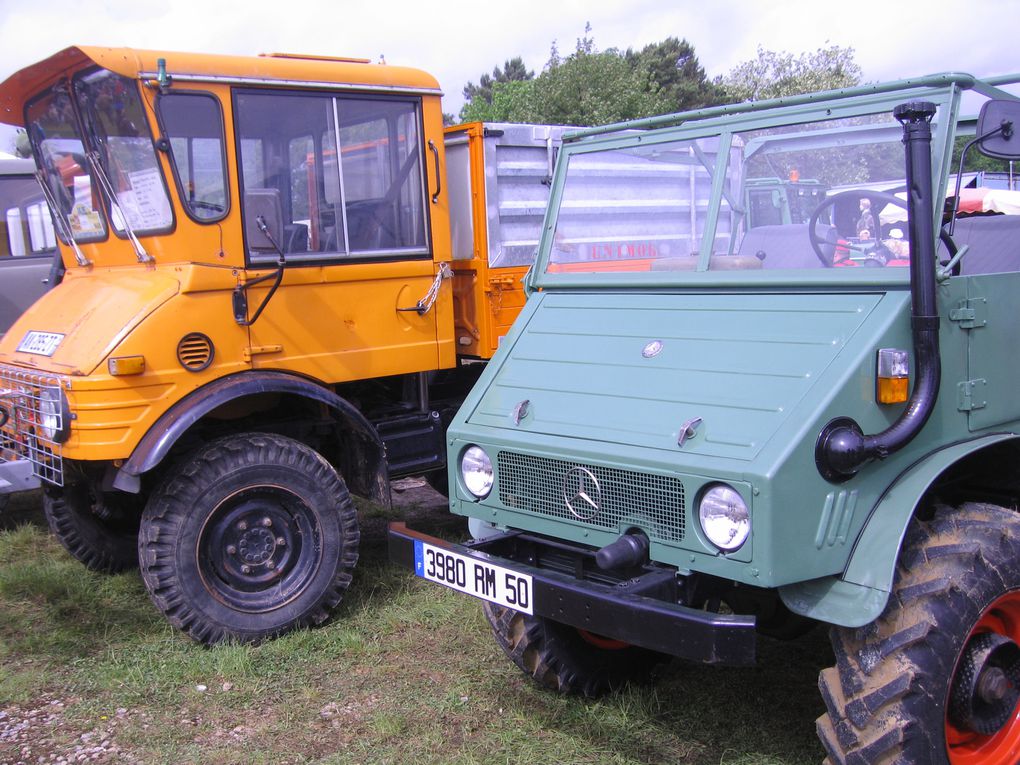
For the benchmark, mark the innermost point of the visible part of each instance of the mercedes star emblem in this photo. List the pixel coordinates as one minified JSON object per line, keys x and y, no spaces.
{"x":582,"y":493}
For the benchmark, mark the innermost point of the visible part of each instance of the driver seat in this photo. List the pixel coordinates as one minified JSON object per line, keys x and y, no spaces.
{"x":784,"y":246}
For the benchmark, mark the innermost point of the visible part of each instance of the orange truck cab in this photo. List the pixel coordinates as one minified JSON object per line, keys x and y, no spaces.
{"x":270,"y":303}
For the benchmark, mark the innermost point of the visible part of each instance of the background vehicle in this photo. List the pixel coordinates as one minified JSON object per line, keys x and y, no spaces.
{"x":699,"y":429}
{"x":28,"y":245}
{"x":258,"y":317}
{"x":29,"y":265}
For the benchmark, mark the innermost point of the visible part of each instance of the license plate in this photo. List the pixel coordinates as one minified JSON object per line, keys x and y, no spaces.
{"x":496,"y":584}
{"x":40,"y":343}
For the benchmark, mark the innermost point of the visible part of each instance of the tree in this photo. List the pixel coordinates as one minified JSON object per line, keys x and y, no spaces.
{"x":775,"y":74}
{"x":509,"y":102}
{"x":675,"y":74}
{"x":592,"y":87}
{"x":513,"y":70}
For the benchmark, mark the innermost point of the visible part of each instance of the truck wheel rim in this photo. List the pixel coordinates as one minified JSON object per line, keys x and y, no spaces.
{"x":259,"y":549}
{"x":985,"y":682}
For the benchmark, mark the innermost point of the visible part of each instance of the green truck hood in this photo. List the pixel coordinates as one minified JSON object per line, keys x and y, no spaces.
{"x":586,"y":365}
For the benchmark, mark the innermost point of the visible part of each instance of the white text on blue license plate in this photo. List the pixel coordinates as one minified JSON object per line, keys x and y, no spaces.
{"x":483,"y":580}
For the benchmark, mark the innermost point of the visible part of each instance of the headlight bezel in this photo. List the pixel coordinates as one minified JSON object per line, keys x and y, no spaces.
{"x":720,"y":504}
{"x":477,"y":474}
{"x":54,"y":407}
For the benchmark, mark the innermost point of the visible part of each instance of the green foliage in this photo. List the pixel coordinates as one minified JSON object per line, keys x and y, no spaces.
{"x":509,"y":102}
{"x":675,"y":74}
{"x":592,"y":87}
{"x":775,"y":74}
{"x":976,"y":161}
{"x":513,"y":70}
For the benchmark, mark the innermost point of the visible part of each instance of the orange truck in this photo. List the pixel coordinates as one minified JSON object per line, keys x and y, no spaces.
{"x":281,"y":274}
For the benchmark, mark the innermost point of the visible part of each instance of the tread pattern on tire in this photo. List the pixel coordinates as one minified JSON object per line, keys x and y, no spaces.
{"x":169,"y":506}
{"x":885,"y":695}
{"x":101,"y":546}
{"x":556,"y":657}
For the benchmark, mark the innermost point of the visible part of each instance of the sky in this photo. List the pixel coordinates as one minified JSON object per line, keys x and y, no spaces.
{"x":456,"y":40}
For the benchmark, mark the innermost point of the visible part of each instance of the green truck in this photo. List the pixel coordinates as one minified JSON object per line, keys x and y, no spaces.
{"x":700,"y":429}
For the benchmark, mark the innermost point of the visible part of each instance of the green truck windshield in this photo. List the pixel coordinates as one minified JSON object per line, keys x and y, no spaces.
{"x":736,"y":201}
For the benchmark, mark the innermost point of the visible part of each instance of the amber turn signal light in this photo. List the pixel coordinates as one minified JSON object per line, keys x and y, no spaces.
{"x":126,"y":365}
{"x":893,"y":381}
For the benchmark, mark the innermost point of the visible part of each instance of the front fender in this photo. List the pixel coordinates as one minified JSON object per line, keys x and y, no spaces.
{"x":859,"y":595}
{"x":176,"y":421}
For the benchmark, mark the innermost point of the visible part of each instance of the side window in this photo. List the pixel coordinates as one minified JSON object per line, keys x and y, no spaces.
{"x":317,"y":203}
{"x":193,"y":124}
{"x":25,"y":222}
{"x":287,"y":186}
{"x":382,"y":171}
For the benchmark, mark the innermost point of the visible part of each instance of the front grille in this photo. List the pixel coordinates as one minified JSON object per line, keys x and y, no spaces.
{"x":27,"y":401}
{"x":655,"y":503}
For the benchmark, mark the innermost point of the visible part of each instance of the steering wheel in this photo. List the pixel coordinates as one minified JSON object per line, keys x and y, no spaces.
{"x":874,"y":253}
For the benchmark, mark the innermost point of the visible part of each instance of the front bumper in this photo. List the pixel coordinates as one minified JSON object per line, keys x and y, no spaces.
{"x":640,"y":610}
{"x":17,"y":475}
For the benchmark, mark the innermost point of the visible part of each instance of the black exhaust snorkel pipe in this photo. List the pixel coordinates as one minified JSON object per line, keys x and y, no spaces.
{"x":842,"y":448}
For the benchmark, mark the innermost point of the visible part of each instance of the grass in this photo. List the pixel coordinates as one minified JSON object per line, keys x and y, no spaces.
{"x":405,"y":672}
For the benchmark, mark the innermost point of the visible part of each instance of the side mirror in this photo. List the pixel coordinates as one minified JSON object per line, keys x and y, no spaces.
{"x":998,"y":123}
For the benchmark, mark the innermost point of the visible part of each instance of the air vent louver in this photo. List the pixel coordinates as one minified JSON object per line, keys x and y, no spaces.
{"x":195,"y":352}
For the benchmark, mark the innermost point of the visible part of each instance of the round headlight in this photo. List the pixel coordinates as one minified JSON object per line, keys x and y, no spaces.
{"x":724,"y":517}
{"x":54,"y":415}
{"x":476,"y":471}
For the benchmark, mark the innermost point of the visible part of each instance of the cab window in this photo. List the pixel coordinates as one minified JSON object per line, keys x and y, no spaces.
{"x":192,"y":123}
{"x":312,"y":201}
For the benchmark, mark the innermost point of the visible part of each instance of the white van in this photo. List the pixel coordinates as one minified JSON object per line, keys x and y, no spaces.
{"x":29,"y":262}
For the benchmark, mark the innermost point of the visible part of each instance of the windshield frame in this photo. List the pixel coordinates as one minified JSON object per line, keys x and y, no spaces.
{"x":722,"y":124}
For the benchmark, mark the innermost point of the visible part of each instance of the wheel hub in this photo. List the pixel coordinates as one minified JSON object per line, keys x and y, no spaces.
{"x":256,"y":546}
{"x":986,"y":687}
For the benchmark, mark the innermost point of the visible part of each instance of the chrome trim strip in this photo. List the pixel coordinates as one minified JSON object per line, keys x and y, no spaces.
{"x":146,"y":77}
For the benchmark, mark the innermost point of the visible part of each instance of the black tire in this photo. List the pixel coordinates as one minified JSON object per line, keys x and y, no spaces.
{"x":100,"y":530}
{"x":898,"y":693}
{"x":566,"y":660}
{"x":253,"y":536}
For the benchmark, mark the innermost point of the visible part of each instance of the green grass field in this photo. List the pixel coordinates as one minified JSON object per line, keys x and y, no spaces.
{"x":406,"y":672}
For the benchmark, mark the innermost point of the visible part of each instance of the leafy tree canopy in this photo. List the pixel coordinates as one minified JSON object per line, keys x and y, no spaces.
{"x":592,"y":87}
{"x":773,"y":74}
{"x":513,"y":70}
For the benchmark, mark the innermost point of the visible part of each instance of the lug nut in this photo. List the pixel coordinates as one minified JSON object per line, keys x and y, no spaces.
{"x":242,"y":526}
{"x":267,"y":522}
{"x":270,"y":564}
{"x":281,"y":542}
{"x":231,"y":550}
{"x":245,"y":569}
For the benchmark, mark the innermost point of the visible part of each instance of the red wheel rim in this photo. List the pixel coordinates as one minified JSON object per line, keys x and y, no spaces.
{"x":1003,"y":748}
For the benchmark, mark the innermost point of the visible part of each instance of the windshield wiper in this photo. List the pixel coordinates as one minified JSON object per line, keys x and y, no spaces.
{"x":104,"y":181}
{"x":61,"y":219}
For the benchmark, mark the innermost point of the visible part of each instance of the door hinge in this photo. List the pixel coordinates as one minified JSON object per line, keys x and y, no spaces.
{"x":258,"y":350}
{"x":970,"y":395}
{"x":971,"y":313}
